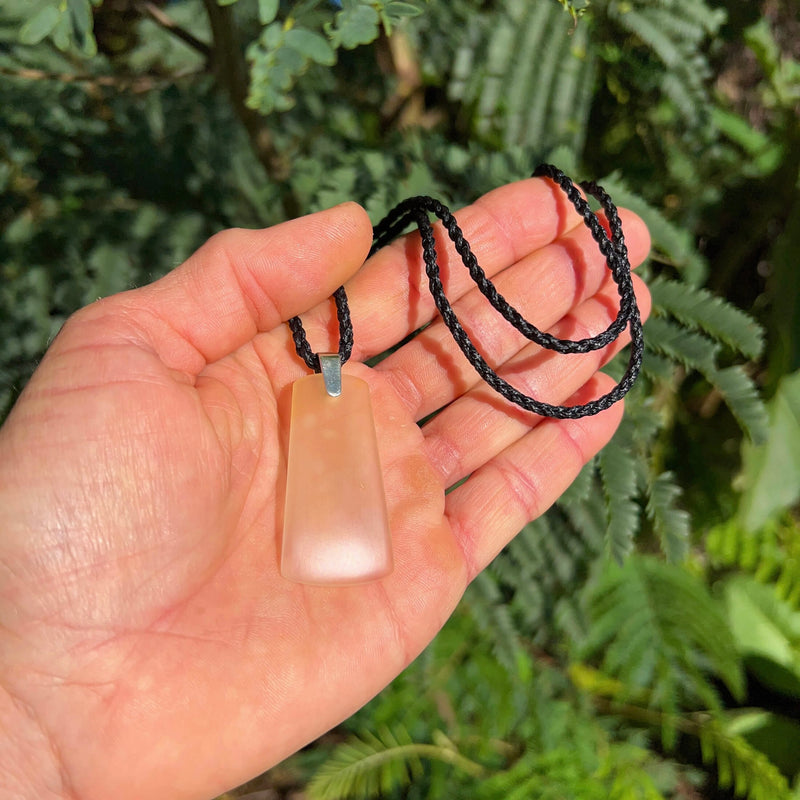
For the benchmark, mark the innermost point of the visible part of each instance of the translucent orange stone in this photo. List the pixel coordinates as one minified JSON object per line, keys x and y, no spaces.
{"x":335,"y":526}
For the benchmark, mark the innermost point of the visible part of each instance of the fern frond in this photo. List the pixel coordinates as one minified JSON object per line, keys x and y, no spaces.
{"x":742,"y":398}
{"x":657,"y":628}
{"x":657,"y":368}
{"x":486,"y":604}
{"x":700,"y":309}
{"x":693,"y":350}
{"x":371,"y":766}
{"x":708,"y":17}
{"x":677,"y":26}
{"x":696,"y":351}
{"x":638,"y":22}
{"x":539,"y":100}
{"x":579,"y":489}
{"x":740,"y":766}
{"x":671,"y":243}
{"x":618,"y":468}
{"x":670,"y":522}
{"x":770,"y":554}
{"x":673,"y":40}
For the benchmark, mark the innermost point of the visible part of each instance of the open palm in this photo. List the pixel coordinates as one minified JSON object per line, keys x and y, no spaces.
{"x":148,"y":645}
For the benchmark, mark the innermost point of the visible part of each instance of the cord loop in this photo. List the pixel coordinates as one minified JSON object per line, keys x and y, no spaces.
{"x":416,"y":210}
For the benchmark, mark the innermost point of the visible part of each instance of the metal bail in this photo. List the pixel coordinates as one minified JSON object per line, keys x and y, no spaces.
{"x":331,"y":367}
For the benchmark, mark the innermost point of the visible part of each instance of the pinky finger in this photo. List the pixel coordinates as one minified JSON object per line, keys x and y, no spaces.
{"x":525,"y":479}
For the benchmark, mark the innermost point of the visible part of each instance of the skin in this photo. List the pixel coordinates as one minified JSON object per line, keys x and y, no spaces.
{"x":148,"y":645}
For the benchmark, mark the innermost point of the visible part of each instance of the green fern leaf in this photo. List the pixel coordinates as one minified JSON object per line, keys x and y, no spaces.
{"x":689,"y":348}
{"x":651,"y":33}
{"x":670,"y":522}
{"x":657,"y":629}
{"x":671,"y":244}
{"x":740,"y":766}
{"x":365,"y":767}
{"x":707,"y":17}
{"x":771,"y":554}
{"x":657,"y":368}
{"x":700,"y":309}
{"x":683,"y":80}
{"x":741,"y":396}
{"x":535,"y":102}
{"x":492,"y":614}
{"x":580,"y":488}
{"x":372,"y":766}
{"x":618,"y":468}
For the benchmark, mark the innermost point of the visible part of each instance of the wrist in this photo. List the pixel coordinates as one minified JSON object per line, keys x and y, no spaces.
{"x":29,"y":765}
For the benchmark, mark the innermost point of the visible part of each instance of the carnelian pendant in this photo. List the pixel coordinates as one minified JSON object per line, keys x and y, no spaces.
{"x":335,"y":525}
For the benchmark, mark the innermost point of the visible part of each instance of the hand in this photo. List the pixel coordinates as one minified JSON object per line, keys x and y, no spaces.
{"x":148,"y":645}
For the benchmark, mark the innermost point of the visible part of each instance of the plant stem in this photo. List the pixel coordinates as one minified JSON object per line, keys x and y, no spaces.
{"x":230,"y":69}
{"x":138,"y":83}
{"x":168,"y":24}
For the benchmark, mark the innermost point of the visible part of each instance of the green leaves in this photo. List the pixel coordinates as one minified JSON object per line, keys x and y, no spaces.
{"x":619,"y":467}
{"x":701,"y":310}
{"x":286,"y":49}
{"x":657,"y":629}
{"x":740,"y":766}
{"x":356,"y":24}
{"x":771,"y":474}
{"x":767,"y":633}
{"x":539,"y":101}
{"x":40,"y":25}
{"x":707,"y":322}
{"x":367,"y":766}
{"x":267,"y":11}
{"x":671,"y":523}
{"x":67,"y":22}
{"x":278,"y":58}
{"x":311,"y":45}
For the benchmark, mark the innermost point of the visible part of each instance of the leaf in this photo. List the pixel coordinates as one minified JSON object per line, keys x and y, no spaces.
{"x":40,"y":25}
{"x":741,"y":396}
{"x":226,"y":2}
{"x":311,"y":45}
{"x":540,"y":102}
{"x":579,"y":489}
{"x":767,"y":633}
{"x":657,"y":628}
{"x":693,"y":350}
{"x":267,"y":11}
{"x":670,"y":242}
{"x":618,"y":470}
{"x":771,"y":471}
{"x":740,"y":766}
{"x":82,"y":22}
{"x":670,"y":522}
{"x":774,"y":735}
{"x":369,"y":766}
{"x":354,"y":25}
{"x":397,"y":10}
{"x":699,"y":308}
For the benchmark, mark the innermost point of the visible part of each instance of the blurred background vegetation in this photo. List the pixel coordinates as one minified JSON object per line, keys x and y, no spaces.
{"x":642,"y":639}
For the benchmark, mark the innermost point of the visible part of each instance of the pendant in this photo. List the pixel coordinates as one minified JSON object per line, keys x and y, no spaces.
{"x":335,"y":523}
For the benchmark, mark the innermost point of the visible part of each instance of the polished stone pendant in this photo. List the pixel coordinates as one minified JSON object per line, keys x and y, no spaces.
{"x":335,"y":525}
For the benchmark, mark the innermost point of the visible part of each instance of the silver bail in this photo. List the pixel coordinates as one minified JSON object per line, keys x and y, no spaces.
{"x":331,"y":367}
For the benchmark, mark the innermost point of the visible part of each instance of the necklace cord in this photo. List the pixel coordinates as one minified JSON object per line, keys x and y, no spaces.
{"x":416,"y":210}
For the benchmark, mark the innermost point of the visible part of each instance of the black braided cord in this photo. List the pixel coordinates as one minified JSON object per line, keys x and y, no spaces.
{"x":416,"y":211}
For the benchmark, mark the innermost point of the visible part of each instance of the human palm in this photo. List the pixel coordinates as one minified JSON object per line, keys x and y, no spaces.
{"x":148,"y":645}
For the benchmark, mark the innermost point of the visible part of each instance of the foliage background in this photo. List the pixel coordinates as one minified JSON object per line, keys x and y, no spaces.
{"x":131,"y":130}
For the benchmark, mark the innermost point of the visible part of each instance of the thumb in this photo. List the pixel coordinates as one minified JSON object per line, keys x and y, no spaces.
{"x":242,"y":282}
